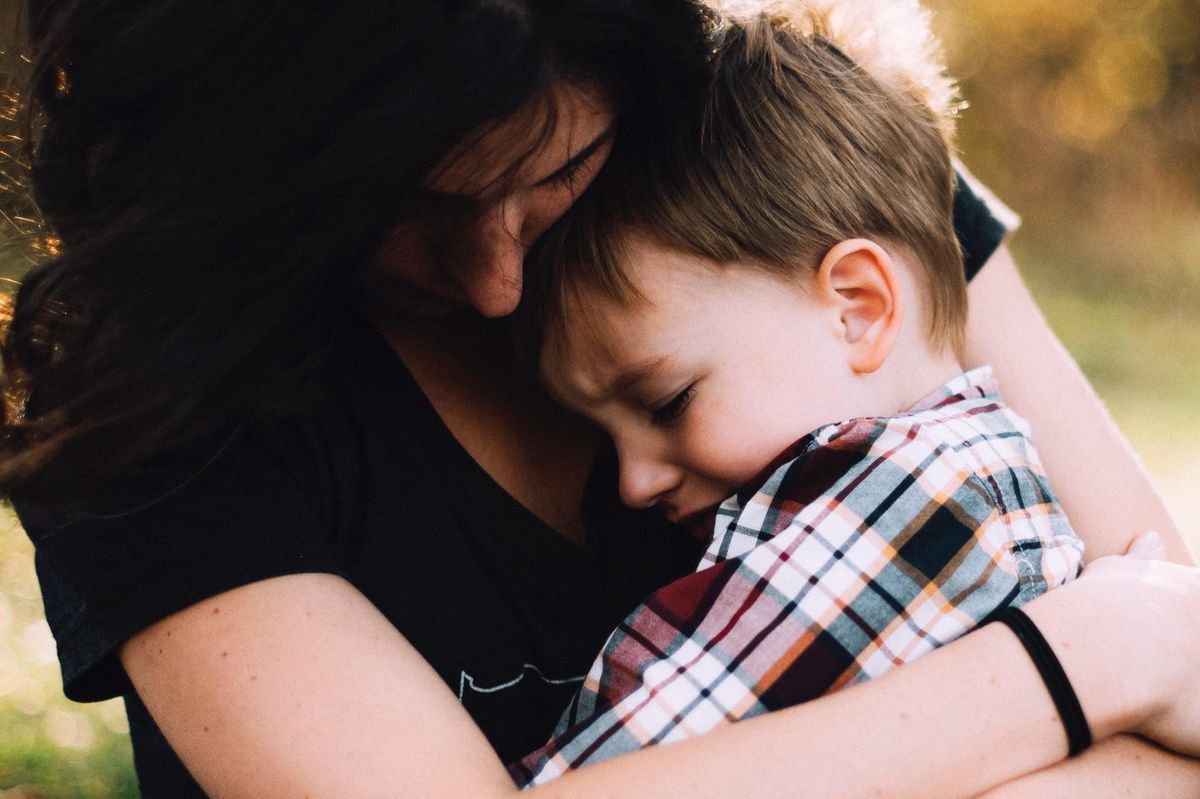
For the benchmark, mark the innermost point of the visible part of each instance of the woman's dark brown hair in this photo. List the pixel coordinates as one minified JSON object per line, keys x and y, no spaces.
{"x":219,"y":176}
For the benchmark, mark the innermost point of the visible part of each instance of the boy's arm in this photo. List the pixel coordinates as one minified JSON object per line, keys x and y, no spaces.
{"x":1120,"y":767}
{"x":1104,"y":488}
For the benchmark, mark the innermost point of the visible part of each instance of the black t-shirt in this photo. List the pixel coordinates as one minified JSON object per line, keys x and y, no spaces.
{"x":371,"y":486}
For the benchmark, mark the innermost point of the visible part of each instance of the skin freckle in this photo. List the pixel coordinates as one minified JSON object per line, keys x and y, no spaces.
{"x":216,"y":611}
{"x":253,"y":678}
{"x":224,"y":654}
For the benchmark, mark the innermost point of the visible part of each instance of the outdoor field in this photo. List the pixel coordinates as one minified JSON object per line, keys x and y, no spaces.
{"x":1084,"y":117}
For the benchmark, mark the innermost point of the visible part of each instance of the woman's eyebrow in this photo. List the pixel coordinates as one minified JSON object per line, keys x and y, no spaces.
{"x":580,"y":157}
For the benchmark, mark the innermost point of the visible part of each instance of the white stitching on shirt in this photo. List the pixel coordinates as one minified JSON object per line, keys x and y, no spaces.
{"x":467,"y":681}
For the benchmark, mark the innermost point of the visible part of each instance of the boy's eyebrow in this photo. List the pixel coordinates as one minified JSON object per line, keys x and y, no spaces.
{"x":580,"y":157}
{"x":630,"y":376}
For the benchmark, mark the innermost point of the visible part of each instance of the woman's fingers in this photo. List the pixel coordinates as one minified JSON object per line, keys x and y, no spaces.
{"x":1149,"y":546}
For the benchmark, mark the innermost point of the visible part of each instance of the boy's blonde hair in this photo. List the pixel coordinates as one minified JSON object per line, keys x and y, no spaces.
{"x":824,"y":120}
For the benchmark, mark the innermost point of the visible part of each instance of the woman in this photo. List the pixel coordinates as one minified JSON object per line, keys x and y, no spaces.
{"x":288,"y":232}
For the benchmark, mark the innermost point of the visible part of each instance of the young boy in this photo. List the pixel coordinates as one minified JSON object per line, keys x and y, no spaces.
{"x":765,"y":315}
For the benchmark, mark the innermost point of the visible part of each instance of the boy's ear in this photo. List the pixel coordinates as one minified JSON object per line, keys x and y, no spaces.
{"x":861,"y":278}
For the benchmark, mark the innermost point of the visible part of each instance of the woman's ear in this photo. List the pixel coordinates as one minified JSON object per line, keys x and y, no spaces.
{"x":861,"y":277}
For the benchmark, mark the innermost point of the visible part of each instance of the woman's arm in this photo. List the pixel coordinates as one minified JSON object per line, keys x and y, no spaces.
{"x":1104,"y":488}
{"x":1120,"y":767}
{"x":297,"y":686}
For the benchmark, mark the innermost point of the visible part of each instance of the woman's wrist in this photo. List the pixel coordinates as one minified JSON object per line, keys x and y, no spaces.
{"x":1122,"y":636}
{"x":1110,"y":704}
{"x":1058,"y":685}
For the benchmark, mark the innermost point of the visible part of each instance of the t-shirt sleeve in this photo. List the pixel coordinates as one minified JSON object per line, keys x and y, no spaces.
{"x":981,"y":221}
{"x":242,"y":517}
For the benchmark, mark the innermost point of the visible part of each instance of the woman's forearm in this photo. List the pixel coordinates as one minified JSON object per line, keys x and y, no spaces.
{"x":961,"y":719}
{"x":1122,"y":767}
{"x":1106,"y":491}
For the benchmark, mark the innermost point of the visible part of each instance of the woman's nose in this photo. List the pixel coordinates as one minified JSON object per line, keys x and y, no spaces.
{"x":645,"y":479}
{"x":493,"y":285}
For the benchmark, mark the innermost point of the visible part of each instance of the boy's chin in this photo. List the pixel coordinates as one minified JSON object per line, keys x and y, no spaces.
{"x":699,"y":524}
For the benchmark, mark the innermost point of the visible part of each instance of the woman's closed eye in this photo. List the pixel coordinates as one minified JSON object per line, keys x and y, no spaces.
{"x":579,"y":168}
{"x":670,"y":411}
{"x":569,"y":177}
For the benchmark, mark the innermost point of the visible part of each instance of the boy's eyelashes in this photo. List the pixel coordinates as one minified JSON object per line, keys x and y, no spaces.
{"x":671,"y":410}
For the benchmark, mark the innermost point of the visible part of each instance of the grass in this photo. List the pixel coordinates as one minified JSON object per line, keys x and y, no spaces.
{"x":49,"y":748}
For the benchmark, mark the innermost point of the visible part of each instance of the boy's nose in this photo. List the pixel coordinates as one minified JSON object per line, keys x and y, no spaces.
{"x":645,"y":481}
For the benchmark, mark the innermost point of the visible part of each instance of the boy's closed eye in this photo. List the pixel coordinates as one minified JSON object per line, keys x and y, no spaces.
{"x":672,"y":409}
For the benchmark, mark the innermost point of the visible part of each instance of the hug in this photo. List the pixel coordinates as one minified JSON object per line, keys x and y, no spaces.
{"x":346,"y":495}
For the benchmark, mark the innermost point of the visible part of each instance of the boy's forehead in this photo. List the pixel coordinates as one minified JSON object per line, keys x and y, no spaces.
{"x":591,"y":346}
{"x":604,"y":344}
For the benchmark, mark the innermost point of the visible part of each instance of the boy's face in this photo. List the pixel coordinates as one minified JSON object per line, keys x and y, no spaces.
{"x":705,"y":382}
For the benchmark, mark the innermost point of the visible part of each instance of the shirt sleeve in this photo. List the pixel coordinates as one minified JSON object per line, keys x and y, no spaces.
{"x":981,"y":221}
{"x":242,"y":517}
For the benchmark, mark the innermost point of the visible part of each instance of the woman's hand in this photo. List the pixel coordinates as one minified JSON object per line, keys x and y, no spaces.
{"x":1169,"y":592}
{"x":1126,"y":633}
{"x":1127,"y":765}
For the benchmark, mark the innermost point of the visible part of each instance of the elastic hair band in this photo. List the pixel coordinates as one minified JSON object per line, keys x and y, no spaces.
{"x":1079,"y":735}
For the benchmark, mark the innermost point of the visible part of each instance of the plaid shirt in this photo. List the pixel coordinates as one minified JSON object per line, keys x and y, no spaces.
{"x":875,"y":541}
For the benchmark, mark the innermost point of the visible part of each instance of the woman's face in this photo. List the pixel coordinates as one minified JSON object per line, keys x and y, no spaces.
{"x":478,"y":215}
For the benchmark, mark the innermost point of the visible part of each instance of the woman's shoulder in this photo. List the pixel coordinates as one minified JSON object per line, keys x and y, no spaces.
{"x":981,"y":220}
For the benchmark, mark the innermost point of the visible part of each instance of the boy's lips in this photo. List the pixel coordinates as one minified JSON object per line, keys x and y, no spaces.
{"x":699,"y":522}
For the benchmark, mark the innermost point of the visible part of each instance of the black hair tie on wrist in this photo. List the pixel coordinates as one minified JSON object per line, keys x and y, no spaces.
{"x":1079,"y":735}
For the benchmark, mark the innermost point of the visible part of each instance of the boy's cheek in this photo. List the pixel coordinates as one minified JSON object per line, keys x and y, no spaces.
{"x":723,"y":463}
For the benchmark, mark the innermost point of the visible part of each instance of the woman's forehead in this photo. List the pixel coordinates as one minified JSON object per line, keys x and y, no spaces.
{"x":529,"y":147}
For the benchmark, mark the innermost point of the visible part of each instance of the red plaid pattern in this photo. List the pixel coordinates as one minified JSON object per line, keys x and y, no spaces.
{"x":876,"y":541}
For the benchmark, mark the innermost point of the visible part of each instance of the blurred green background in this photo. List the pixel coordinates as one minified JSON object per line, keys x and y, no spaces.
{"x":1084,"y":117}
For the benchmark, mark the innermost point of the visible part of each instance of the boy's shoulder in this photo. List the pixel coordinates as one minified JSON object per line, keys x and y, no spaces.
{"x":959,"y":461}
{"x":959,"y":445}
